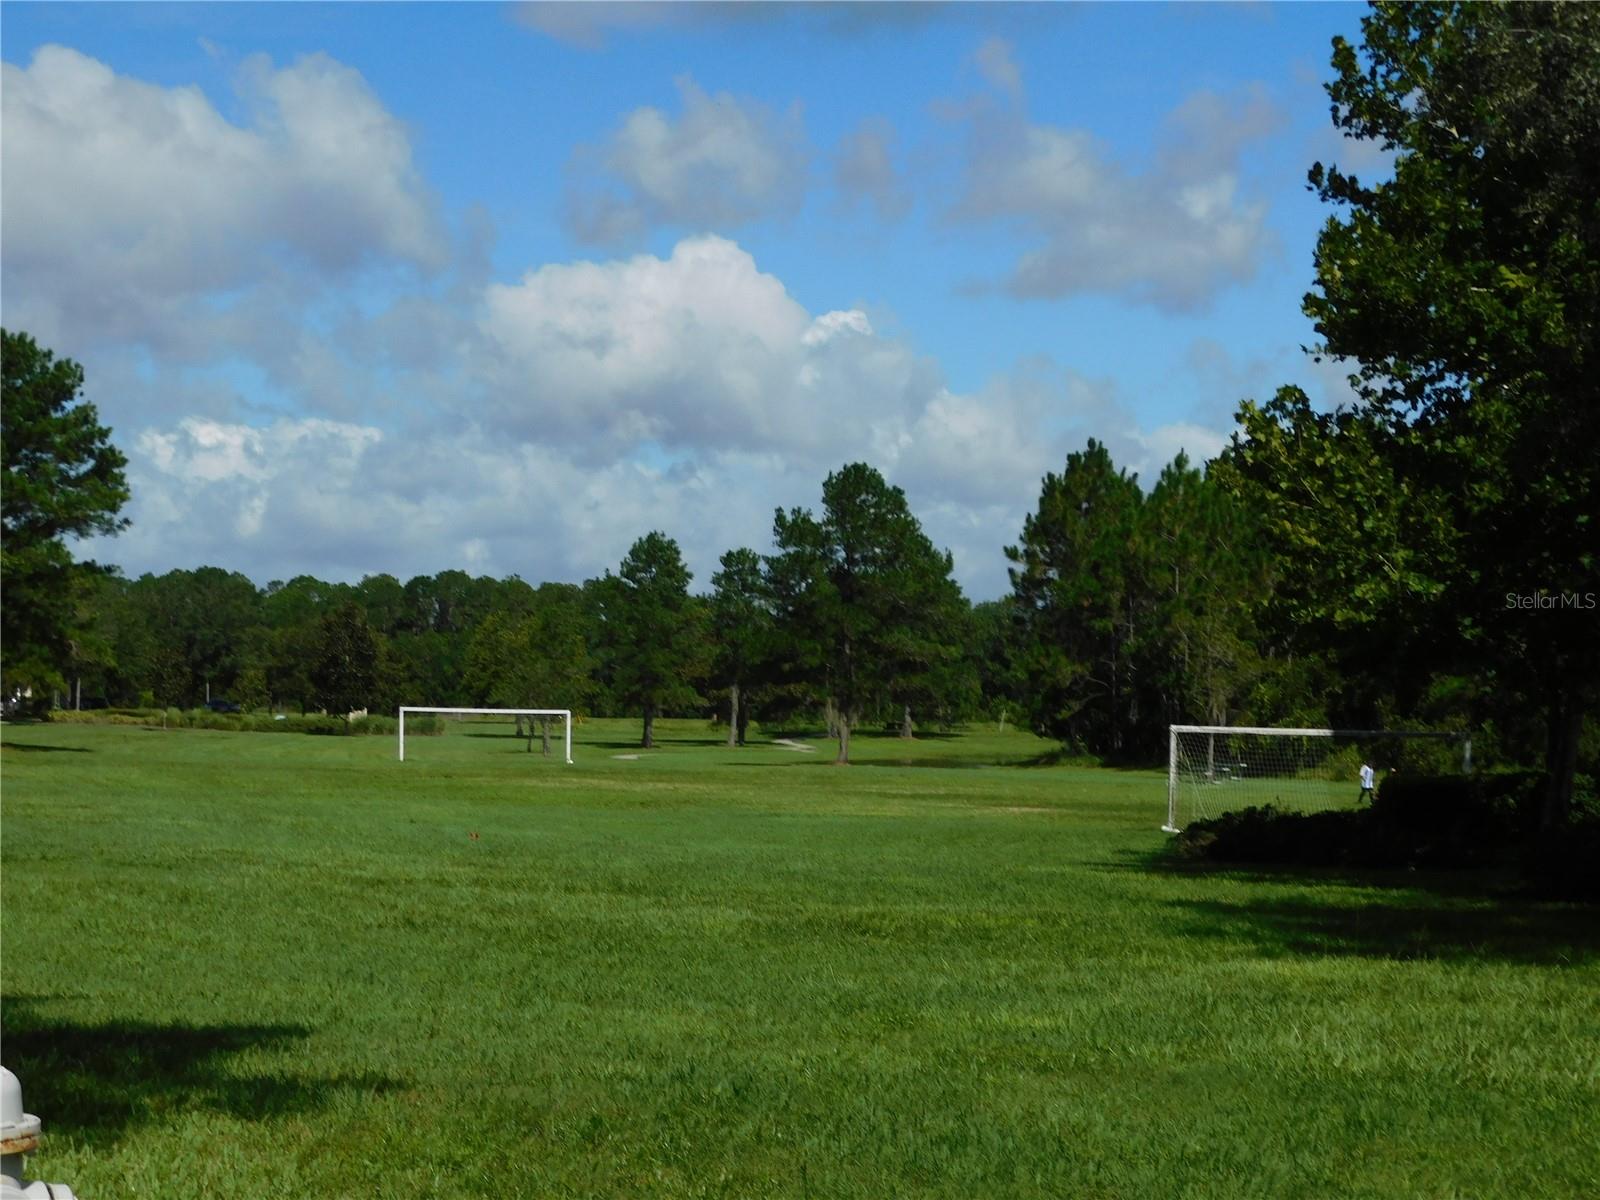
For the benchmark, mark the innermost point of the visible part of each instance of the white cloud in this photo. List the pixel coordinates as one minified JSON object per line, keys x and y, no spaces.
{"x":1162,"y":444}
{"x":1171,"y":236}
{"x":341,"y":500}
{"x":699,"y":350}
{"x":126,"y":201}
{"x":724,"y":162}
{"x":691,"y":394}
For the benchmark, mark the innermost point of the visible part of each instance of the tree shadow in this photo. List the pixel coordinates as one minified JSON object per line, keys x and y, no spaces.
{"x":813,"y":733}
{"x":1425,"y":928}
{"x":39,"y":748}
{"x":1466,"y":915}
{"x":1482,"y":883}
{"x":705,"y":743}
{"x":953,"y":762}
{"x":97,"y":1081}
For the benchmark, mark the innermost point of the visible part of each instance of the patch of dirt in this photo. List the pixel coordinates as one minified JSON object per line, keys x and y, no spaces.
{"x":791,"y":744}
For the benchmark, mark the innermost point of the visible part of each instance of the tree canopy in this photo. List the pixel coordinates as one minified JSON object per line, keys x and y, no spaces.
{"x":649,"y":629}
{"x":861,"y":595}
{"x":1466,"y":290}
{"x":61,"y":478}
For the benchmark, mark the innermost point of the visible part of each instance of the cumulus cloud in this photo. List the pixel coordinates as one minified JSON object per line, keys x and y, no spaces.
{"x":864,"y":170}
{"x":1171,"y":236}
{"x":341,"y":500}
{"x":722,"y":163}
{"x":697,"y":350}
{"x":690,"y":393}
{"x":126,"y":200}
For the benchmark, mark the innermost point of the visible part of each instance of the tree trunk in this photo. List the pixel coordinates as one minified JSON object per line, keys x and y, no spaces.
{"x":1561,"y":759}
{"x":544,"y":732}
{"x":843,"y":758}
{"x":733,"y":714}
{"x":520,"y":733}
{"x":905,"y":724}
{"x":744,"y":723}
{"x":649,"y":740}
{"x":77,"y":694}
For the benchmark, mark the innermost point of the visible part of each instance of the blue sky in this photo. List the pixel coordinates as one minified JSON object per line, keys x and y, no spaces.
{"x":400,"y":288}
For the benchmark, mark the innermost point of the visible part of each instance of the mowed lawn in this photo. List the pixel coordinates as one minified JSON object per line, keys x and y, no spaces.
{"x":250,"y":965}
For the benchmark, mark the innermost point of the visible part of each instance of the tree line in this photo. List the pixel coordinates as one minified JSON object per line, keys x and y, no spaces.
{"x":1130,"y":610}
{"x":1427,"y":554}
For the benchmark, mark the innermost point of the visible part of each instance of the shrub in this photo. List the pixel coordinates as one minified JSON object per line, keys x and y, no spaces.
{"x":1460,"y":821}
{"x":319,"y":723}
{"x":1266,"y":835}
{"x":1566,"y":865}
{"x":71,"y":717}
{"x":1435,"y":822}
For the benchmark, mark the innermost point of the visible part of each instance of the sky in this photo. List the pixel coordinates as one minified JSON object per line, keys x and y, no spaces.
{"x":403,"y":288}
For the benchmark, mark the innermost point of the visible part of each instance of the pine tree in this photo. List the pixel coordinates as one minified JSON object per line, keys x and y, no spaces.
{"x":862,"y":597}
{"x":61,"y":477}
{"x":649,"y":630}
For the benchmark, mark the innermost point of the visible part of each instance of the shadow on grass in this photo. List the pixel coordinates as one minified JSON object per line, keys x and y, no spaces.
{"x":949,"y":762}
{"x":96,"y":1081}
{"x":1500,"y":931}
{"x":953,"y":762}
{"x":1468,"y":915}
{"x":1477,"y":884}
{"x":661,"y":743}
{"x":38,"y":748}
{"x":814,"y":734}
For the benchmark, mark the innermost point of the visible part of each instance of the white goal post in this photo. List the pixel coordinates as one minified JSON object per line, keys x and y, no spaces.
{"x":564,"y":713}
{"x":1213,"y":769}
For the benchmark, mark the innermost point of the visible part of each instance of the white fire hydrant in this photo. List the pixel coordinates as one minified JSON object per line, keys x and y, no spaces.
{"x":19,"y":1133}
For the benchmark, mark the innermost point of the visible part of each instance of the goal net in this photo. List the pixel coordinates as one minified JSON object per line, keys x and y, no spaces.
{"x":512,"y":713}
{"x":1213,"y":769}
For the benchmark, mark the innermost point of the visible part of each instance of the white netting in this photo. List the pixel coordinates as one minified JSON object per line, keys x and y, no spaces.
{"x":1218,"y":770}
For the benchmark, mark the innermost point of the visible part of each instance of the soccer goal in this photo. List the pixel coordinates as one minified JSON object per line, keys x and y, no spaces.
{"x":564,"y":713}
{"x":1213,"y":769}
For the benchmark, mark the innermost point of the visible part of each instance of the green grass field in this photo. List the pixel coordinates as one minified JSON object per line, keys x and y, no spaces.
{"x":239,"y":965}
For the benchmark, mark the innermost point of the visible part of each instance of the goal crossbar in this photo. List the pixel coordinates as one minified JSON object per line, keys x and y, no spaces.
{"x":1230,"y":731}
{"x":564,"y":713}
{"x":1279,"y":731}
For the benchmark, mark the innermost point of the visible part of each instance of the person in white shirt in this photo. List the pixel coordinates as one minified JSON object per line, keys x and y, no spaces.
{"x":1369,"y":779}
